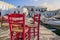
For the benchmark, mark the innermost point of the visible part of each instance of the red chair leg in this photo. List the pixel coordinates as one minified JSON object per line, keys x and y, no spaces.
{"x":38,"y":34}
{"x":29,"y":34}
{"x":34,"y":32}
{"x":11,"y":36}
{"x":17,"y":36}
{"x":24,"y":36}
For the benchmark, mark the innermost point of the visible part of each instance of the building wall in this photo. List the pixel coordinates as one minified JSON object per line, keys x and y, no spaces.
{"x":31,"y":10}
{"x":6,"y":6}
{"x":49,"y":13}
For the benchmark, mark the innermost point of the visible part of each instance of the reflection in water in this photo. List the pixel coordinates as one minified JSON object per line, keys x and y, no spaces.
{"x":52,"y":28}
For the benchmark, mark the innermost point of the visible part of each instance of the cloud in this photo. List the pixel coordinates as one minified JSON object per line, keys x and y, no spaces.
{"x":50,"y":6}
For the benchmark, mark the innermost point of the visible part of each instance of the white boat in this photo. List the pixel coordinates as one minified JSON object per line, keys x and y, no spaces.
{"x":52,"y":21}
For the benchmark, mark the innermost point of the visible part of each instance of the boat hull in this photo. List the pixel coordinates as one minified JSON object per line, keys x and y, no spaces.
{"x":55,"y":24}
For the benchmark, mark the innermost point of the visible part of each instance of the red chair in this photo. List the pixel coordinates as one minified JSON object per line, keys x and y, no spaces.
{"x":36,"y":19}
{"x":17,"y":26}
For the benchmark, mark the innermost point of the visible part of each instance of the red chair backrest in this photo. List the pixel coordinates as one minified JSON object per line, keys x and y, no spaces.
{"x":37,"y":17}
{"x":16,"y":19}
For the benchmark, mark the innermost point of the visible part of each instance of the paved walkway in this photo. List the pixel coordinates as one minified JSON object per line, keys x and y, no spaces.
{"x":45,"y":34}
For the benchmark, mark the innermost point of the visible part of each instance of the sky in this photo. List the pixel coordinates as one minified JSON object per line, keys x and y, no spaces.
{"x":50,"y":4}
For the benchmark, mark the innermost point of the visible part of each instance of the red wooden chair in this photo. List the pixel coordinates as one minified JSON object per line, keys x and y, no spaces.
{"x":17,"y":26}
{"x":36,"y":19}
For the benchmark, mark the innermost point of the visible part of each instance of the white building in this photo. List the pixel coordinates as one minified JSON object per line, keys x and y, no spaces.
{"x":4,"y":7}
{"x":31,"y":10}
{"x":49,"y":13}
{"x":40,"y":9}
{"x":17,"y":10}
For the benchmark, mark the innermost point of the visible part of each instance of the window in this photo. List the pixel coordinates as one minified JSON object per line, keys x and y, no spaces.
{"x":32,"y":9}
{"x":45,"y":10}
{"x":55,"y":13}
{"x":36,"y":9}
{"x":18,"y":12}
{"x":47,"y":14}
{"x":14,"y":11}
{"x":42,"y":11}
{"x":39,"y":9}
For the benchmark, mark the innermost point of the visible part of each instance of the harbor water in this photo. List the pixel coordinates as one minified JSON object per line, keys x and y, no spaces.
{"x":53,"y":28}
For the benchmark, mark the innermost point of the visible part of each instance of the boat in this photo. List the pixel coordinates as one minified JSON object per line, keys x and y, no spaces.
{"x":55,"y":21}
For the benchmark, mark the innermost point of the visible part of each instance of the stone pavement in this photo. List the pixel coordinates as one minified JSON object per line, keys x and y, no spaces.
{"x":45,"y":34}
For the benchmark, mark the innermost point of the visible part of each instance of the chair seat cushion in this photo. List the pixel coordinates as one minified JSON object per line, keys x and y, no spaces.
{"x":20,"y":30}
